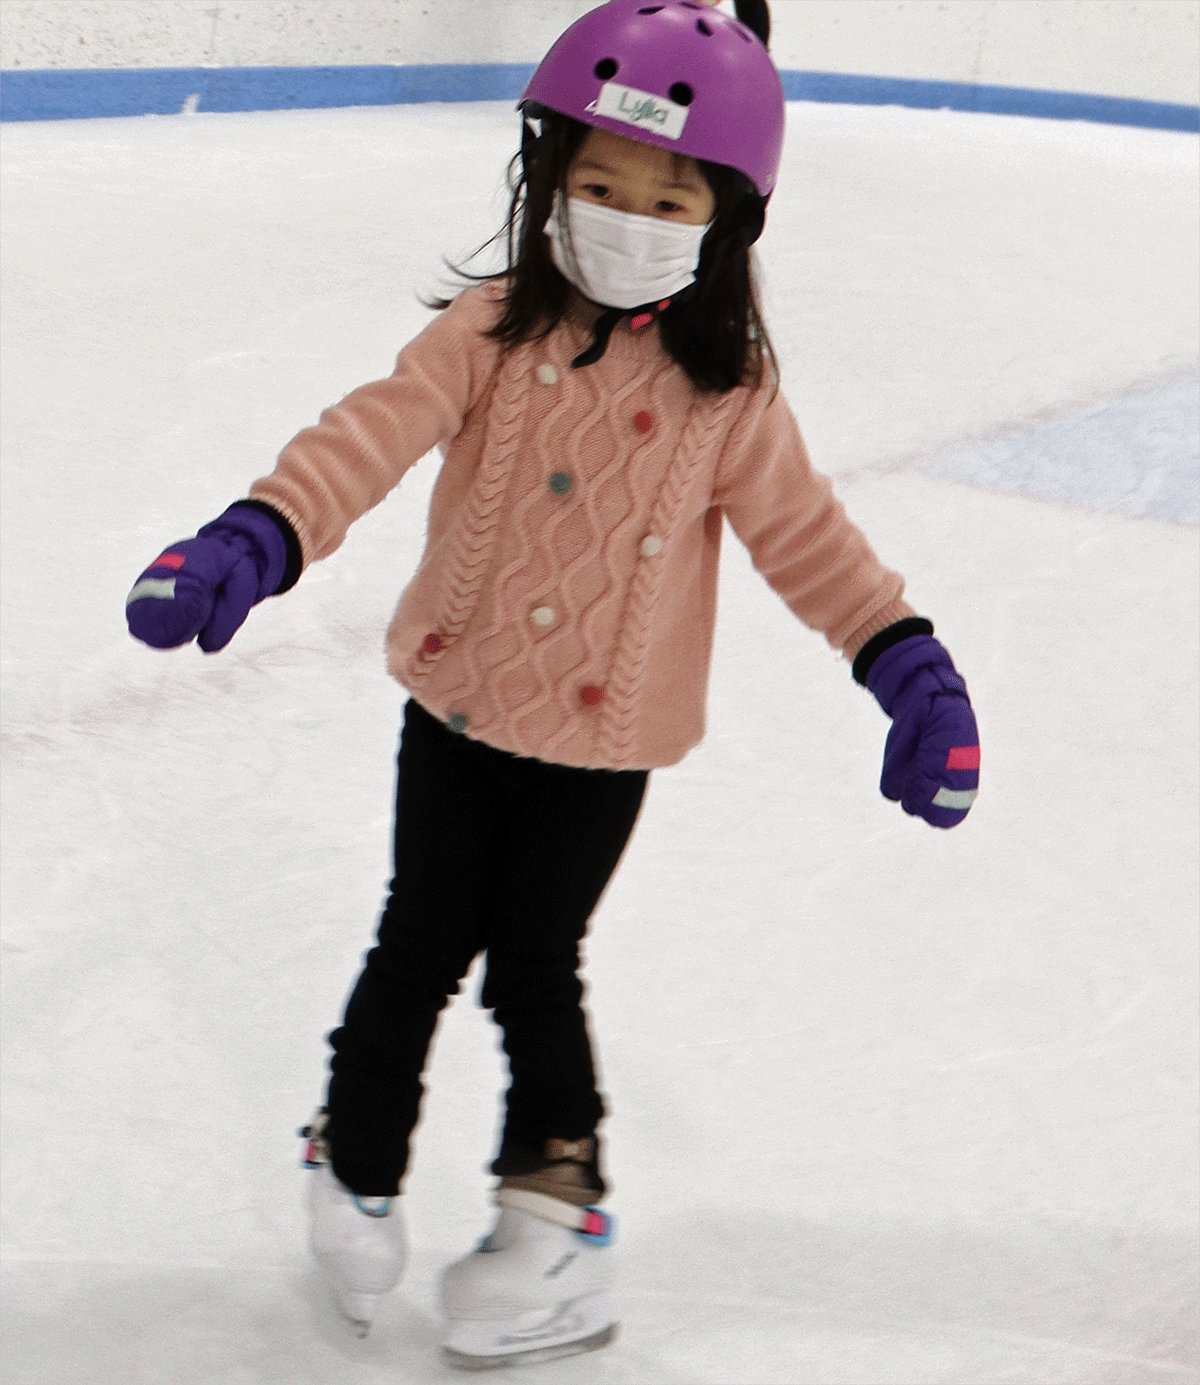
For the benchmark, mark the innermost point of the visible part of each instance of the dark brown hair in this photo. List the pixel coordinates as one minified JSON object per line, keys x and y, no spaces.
{"x":715,"y":332}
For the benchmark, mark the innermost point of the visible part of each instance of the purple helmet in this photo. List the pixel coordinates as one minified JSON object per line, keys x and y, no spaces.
{"x":673,"y":73}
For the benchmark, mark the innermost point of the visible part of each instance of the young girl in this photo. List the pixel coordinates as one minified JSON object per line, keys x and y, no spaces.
{"x":604,"y":405}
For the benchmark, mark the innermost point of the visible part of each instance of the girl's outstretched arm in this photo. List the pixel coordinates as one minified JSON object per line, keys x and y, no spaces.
{"x":334,"y":472}
{"x":803,"y":543}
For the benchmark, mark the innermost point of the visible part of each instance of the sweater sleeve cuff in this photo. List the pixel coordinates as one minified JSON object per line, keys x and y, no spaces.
{"x":900,"y":630}
{"x":294,"y":559}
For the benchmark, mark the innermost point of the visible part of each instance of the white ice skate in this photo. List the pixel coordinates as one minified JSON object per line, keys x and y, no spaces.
{"x":539,"y":1287}
{"x":359,"y":1242}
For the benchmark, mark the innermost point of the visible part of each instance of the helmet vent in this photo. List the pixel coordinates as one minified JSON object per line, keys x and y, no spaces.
{"x":681,"y":94}
{"x":705,"y":29}
{"x":650,"y":9}
{"x":606,"y":68}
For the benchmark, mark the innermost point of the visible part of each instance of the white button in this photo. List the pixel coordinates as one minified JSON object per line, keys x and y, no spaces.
{"x":542,"y":615}
{"x":547,"y":375}
{"x":651,"y":545}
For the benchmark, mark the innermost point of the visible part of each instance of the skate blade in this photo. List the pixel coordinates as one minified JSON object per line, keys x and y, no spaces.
{"x":528,"y":1356}
{"x":358,"y":1310}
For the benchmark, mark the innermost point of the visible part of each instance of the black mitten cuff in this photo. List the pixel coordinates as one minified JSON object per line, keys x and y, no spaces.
{"x":294,"y":562}
{"x":901,"y":630}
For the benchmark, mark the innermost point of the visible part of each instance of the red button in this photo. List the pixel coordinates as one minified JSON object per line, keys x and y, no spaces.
{"x":643,"y":421}
{"x":591,"y":696}
{"x":431,"y":644}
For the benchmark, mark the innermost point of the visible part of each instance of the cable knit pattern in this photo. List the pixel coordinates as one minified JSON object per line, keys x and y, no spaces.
{"x":565,"y":603}
{"x":475,"y":531}
{"x":565,"y":432}
{"x":705,"y":423}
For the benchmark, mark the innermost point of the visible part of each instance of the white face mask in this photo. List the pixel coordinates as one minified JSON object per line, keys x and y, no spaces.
{"x":622,"y":260}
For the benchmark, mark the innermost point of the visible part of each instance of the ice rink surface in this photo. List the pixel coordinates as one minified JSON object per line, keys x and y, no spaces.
{"x":889,"y":1106}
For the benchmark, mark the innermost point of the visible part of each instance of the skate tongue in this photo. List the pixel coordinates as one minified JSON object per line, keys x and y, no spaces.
{"x":592,"y":1223}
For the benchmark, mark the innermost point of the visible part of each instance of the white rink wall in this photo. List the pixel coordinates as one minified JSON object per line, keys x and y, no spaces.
{"x":1142,"y":49}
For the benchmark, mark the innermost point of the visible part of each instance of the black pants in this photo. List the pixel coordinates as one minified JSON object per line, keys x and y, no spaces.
{"x":493,"y":853}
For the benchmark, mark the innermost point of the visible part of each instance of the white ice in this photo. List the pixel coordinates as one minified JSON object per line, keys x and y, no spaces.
{"x":889,"y":1106}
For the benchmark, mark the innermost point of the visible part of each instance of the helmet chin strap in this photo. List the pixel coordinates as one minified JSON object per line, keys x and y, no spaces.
{"x":639,"y":317}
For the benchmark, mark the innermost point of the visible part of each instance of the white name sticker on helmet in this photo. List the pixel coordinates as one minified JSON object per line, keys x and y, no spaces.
{"x":640,"y":108}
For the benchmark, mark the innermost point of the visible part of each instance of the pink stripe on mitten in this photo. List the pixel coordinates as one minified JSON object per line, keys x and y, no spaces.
{"x":963,"y":757}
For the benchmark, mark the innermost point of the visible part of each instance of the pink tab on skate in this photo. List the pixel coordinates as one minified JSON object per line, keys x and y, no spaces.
{"x":172,"y":560}
{"x":596,"y":1226}
{"x":963,"y":757}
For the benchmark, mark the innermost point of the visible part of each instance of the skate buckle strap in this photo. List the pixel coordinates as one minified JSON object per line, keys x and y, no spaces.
{"x":316,"y":1150}
{"x":598,"y":1226}
{"x":593,"y":1224}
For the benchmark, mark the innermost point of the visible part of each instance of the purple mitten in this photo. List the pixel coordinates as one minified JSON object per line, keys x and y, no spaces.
{"x":204,"y":587}
{"x":931,"y":759}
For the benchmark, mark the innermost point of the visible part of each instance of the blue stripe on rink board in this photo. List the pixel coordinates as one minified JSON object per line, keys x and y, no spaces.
{"x":62,"y":95}
{"x":72,"y":95}
{"x":848,"y":90}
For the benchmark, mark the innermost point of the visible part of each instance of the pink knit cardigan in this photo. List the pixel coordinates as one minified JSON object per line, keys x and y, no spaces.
{"x":565,"y":603}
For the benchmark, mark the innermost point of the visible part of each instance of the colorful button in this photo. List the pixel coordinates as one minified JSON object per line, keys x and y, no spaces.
{"x":591,"y":696}
{"x":650,"y":546}
{"x":561,"y":482}
{"x":457,"y":722}
{"x":432,"y":644}
{"x":547,"y":374}
{"x":543,"y":616}
{"x":643,"y":421}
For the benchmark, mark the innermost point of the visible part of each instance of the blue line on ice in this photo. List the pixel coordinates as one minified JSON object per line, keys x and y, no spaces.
{"x":1137,"y":455}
